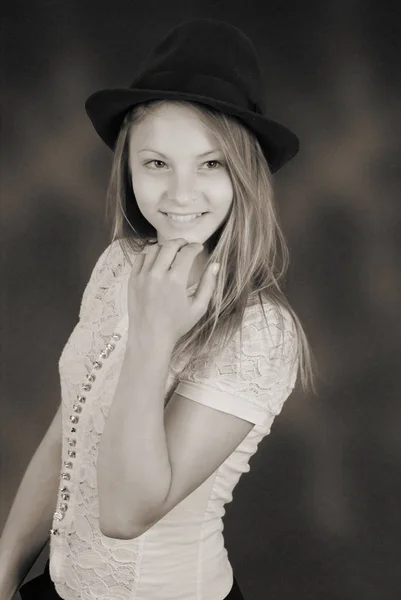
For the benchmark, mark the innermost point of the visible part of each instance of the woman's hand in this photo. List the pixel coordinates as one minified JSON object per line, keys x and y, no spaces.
{"x":158,"y":305}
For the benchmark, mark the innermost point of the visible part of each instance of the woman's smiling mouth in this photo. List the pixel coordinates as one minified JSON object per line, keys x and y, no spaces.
{"x":183,"y":219}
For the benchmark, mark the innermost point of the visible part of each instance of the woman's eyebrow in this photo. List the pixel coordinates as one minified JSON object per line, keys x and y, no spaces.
{"x":164,"y":156}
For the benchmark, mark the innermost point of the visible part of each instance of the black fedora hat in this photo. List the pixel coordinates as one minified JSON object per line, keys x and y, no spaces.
{"x":206,"y":61}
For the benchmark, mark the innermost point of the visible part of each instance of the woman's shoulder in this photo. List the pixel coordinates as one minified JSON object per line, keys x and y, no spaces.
{"x":109,"y":262}
{"x":109,"y":253}
{"x":271,"y":310}
{"x":118,"y":251}
{"x":124,"y":247}
{"x":270,"y":330}
{"x":271,"y":320}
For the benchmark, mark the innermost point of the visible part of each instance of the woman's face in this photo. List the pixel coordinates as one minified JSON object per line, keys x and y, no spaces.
{"x":176,"y":167}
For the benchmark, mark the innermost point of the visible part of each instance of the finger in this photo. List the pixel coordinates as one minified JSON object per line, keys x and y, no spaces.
{"x":169,"y":251}
{"x":184,"y":261}
{"x":151,"y":253}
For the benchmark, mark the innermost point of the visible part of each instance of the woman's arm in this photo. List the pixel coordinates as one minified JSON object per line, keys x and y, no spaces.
{"x":26,"y":530}
{"x":133,"y":469}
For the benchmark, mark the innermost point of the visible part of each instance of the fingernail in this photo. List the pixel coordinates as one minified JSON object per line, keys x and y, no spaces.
{"x":215,"y":268}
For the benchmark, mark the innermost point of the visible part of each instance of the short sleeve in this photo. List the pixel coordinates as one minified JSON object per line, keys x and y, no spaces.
{"x":252,"y":380}
{"x":95,"y":278}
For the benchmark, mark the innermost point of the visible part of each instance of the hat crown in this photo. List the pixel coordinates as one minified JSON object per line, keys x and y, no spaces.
{"x":206,"y":47}
{"x":205,"y":61}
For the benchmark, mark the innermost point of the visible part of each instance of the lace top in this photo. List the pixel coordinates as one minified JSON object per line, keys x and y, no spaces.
{"x":182,"y":556}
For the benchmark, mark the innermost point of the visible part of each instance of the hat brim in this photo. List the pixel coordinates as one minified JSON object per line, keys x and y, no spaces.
{"x":106,"y":110}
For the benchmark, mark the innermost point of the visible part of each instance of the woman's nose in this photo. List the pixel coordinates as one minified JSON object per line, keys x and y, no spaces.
{"x":181,"y":187}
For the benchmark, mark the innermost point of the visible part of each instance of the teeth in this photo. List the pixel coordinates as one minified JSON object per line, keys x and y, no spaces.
{"x":182,"y":217}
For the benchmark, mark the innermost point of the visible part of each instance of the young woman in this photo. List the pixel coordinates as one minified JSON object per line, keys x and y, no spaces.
{"x":175,"y":372}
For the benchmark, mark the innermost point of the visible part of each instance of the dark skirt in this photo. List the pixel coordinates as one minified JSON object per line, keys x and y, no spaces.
{"x":42,"y":588}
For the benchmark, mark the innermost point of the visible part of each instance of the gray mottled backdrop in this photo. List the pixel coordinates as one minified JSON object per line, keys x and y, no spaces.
{"x":318,"y":514}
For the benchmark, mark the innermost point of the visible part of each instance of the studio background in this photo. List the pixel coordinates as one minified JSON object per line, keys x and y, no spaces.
{"x":318,"y":514}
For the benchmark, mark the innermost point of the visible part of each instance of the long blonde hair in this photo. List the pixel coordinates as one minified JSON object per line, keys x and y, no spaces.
{"x":249,"y":244}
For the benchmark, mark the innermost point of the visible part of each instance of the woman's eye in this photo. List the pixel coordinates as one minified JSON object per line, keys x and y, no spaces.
{"x":214,"y":163}
{"x":154,"y":161}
